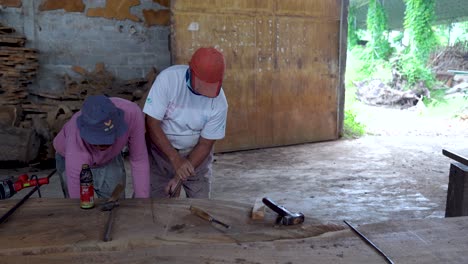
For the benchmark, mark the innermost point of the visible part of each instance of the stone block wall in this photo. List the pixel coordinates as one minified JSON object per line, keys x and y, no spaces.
{"x":128,"y":36}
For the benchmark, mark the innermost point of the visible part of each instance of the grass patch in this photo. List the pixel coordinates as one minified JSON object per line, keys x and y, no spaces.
{"x":351,"y":127}
{"x":446,"y":108}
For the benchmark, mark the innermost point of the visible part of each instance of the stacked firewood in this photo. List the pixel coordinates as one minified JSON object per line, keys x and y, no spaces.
{"x":29,"y":120}
{"x":450,"y":58}
{"x":18,"y":66}
{"x":56,"y":108}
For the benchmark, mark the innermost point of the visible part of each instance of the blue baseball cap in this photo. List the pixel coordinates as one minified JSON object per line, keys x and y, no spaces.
{"x":100,"y":122}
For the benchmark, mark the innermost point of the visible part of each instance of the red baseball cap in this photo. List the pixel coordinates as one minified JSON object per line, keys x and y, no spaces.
{"x":207,"y":71}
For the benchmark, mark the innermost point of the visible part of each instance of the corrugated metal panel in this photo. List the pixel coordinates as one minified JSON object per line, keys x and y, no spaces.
{"x":283,"y":67}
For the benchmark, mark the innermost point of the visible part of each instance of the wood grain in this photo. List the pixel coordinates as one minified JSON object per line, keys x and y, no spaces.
{"x":283,"y":68}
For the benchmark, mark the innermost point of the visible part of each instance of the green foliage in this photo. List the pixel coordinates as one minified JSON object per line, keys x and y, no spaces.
{"x":357,"y":69}
{"x":378,"y":47}
{"x":419,"y":16}
{"x":352,"y":33}
{"x":412,"y":69}
{"x":352,"y":128}
{"x":447,"y":108}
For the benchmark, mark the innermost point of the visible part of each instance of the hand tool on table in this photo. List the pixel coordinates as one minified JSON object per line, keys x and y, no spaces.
{"x":110,"y":206}
{"x":285,"y":217}
{"x":10,"y":187}
{"x":21,"y":202}
{"x":369,"y":242}
{"x":206,"y":216}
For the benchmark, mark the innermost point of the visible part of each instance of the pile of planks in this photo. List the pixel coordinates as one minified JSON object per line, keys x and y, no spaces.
{"x":57,"y":108}
{"x":30,"y":119}
{"x":18,"y":66}
{"x":47,"y":112}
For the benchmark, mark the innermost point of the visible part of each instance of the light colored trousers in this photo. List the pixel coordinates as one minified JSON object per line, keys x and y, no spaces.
{"x":161,"y":171}
{"x":105,"y":178}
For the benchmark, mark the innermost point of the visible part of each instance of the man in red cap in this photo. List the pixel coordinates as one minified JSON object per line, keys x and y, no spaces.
{"x":186,"y":113}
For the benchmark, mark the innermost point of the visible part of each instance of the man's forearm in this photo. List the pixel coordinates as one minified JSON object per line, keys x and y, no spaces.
{"x":200,"y":151}
{"x":157,"y":136}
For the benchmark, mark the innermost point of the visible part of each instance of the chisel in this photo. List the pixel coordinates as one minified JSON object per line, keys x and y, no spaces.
{"x":204,"y":215}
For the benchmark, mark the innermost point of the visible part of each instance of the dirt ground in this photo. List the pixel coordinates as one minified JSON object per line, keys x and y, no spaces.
{"x":398,"y":172}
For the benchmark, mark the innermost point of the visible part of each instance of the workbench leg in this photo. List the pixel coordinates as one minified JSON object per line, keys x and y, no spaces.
{"x":457,"y":193}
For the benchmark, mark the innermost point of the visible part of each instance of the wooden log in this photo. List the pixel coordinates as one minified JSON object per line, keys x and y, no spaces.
{"x":18,"y":144}
{"x":9,"y":115}
{"x":58,"y":117}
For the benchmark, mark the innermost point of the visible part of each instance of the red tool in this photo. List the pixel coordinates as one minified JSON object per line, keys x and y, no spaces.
{"x":26,"y":197}
{"x":24,"y":182}
{"x":8,"y":188}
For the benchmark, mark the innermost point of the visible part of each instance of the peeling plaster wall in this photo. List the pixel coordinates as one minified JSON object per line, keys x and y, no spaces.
{"x":127,"y":48}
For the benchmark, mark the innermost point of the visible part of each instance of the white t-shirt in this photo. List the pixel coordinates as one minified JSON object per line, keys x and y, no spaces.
{"x":185,"y":116}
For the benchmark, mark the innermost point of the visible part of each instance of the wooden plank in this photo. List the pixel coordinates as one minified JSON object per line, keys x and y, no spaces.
{"x":317,"y":9}
{"x":168,"y":219}
{"x":283,"y":76}
{"x":164,"y":231}
{"x":225,"y":6}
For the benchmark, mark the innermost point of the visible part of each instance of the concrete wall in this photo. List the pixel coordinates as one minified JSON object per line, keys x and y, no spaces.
{"x":128,"y":36}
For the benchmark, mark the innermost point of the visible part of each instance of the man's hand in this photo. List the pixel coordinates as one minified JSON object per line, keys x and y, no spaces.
{"x":170,"y":187}
{"x":183,"y":169}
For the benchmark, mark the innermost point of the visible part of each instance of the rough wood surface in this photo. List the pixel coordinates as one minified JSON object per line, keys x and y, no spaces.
{"x":164,"y":231}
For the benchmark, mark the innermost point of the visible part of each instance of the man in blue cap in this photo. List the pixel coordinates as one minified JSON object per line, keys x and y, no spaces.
{"x":96,"y":136}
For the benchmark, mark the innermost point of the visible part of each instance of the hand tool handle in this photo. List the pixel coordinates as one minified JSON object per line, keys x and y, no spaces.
{"x":116,"y":193}
{"x":41,"y":181}
{"x":176,"y":189}
{"x":202,"y":214}
{"x":21,"y":184}
{"x":277,"y":208}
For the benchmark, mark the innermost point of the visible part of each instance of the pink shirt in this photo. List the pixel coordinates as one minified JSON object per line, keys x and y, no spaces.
{"x":76,"y":151}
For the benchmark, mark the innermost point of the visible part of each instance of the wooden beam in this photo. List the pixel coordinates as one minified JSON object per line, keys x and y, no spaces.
{"x":457,"y":194}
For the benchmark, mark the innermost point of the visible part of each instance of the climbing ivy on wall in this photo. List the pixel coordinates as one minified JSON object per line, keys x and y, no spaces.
{"x":352,"y":34}
{"x":378,"y":48}
{"x":419,"y":17}
{"x":377,"y":27}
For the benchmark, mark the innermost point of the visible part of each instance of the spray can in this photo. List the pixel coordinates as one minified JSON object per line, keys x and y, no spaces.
{"x":86,"y":188}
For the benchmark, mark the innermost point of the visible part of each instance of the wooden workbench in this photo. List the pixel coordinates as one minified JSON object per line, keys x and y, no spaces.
{"x":164,"y":231}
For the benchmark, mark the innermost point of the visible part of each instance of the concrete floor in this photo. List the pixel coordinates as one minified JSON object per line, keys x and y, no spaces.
{"x":371,"y":179}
